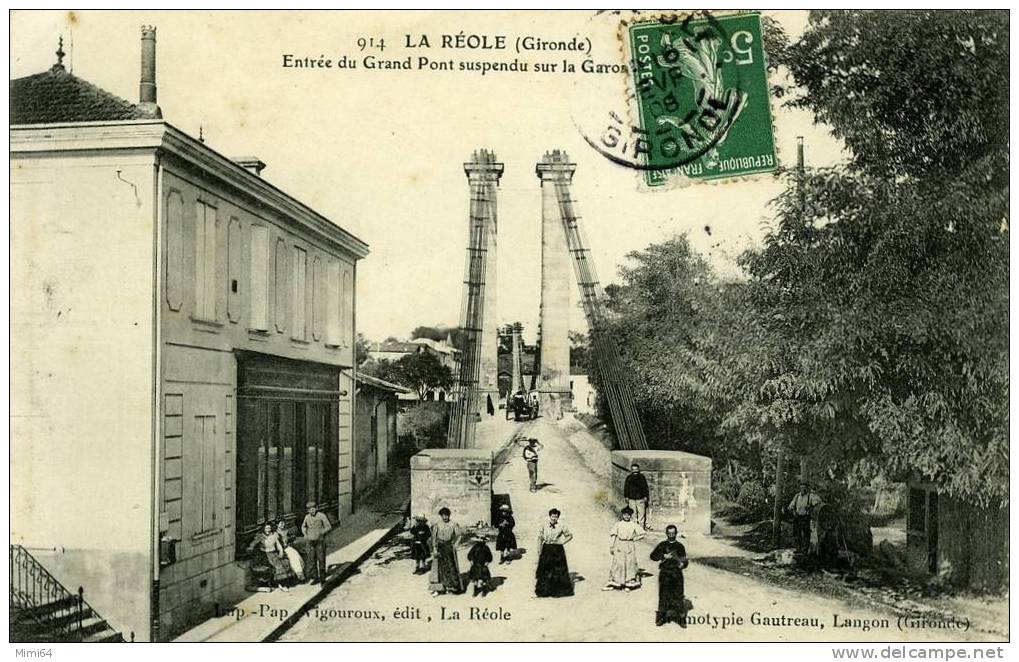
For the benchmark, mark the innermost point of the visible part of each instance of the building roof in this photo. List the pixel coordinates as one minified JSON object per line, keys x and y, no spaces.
{"x":375,"y":382}
{"x":394,"y":347}
{"x":57,"y":96}
{"x":439,"y":347}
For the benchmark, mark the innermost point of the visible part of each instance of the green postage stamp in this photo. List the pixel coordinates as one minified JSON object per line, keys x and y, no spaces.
{"x":701,"y":88}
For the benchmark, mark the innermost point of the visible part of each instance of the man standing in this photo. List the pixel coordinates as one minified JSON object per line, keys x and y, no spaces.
{"x":637,"y":494}
{"x":531,"y":458}
{"x":802,"y":507}
{"x":315,"y":527}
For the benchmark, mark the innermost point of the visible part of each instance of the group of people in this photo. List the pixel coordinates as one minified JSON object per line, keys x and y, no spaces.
{"x":281,"y":556}
{"x":552,"y":576}
{"x":438,"y":542}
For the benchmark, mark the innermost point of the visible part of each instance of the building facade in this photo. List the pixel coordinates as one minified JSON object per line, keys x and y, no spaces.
{"x":187,"y":333}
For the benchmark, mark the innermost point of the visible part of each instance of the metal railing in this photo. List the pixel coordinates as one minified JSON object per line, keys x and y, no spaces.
{"x":42,"y":598}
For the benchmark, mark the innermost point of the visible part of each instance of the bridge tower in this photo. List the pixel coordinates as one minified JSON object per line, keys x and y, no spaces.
{"x":478,"y":370}
{"x":555,"y":171}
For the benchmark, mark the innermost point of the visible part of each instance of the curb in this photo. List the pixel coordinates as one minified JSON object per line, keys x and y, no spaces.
{"x":334,"y":581}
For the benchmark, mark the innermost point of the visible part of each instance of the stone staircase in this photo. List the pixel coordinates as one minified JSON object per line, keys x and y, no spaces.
{"x":43,"y":611}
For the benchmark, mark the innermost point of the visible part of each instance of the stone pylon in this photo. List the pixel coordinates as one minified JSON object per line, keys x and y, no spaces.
{"x":483,"y":174}
{"x":556,"y":174}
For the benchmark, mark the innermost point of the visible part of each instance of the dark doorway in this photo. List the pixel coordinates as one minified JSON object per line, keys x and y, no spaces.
{"x":287,"y":440}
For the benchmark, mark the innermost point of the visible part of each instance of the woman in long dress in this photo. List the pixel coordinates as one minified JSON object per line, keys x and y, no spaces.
{"x":268,"y":543}
{"x":671,"y":555}
{"x":553,"y":574}
{"x":623,"y":573}
{"x":445,"y":577}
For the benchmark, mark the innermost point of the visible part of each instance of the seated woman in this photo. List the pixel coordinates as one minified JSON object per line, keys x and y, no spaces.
{"x":292,"y":556}
{"x":267,"y":543}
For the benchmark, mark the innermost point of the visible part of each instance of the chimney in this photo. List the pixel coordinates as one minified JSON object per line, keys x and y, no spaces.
{"x":147,"y":89}
{"x":252,"y":164}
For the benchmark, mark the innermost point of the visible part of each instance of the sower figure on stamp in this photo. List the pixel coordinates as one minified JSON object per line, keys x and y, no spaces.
{"x":671,"y":555}
{"x":506,"y":541}
{"x":531,"y":458}
{"x":315,"y":527}
{"x":802,"y":507}
{"x":637,"y":494}
{"x":445,"y":577}
{"x":623,"y":572}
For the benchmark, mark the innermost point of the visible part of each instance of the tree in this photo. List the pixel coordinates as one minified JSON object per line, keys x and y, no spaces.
{"x":882,"y":293}
{"x":439,"y":334}
{"x":361,"y":347}
{"x":656,"y":313}
{"x":421,"y":371}
{"x":580,"y":350}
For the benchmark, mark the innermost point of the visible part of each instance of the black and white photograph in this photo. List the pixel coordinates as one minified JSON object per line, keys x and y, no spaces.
{"x":658,"y":326}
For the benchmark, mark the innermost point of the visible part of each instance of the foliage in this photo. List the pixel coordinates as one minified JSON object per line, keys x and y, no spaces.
{"x":361,"y":346}
{"x":439,"y":334}
{"x":425,"y":423}
{"x":871,"y":333}
{"x":420,"y":371}
{"x":883,"y":291}
{"x":580,"y":349}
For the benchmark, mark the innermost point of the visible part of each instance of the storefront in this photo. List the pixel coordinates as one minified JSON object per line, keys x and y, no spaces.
{"x":287,"y":440}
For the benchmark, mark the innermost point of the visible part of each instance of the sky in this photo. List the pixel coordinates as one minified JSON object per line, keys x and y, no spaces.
{"x":381,"y":152}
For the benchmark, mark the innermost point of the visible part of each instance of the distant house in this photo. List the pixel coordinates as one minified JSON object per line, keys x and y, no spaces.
{"x":394,"y":351}
{"x":583,"y":392}
{"x":447,"y":355}
{"x":967,"y":545}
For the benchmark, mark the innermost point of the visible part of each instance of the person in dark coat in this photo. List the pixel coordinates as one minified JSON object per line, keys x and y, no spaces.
{"x":506,"y":541}
{"x":637,"y":495}
{"x":553,"y":574}
{"x":479,"y":556}
{"x":420,"y":543}
{"x":490,"y":406}
{"x":671,"y":555}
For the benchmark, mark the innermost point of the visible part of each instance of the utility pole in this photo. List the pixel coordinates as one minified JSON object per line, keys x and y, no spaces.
{"x":776,"y":522}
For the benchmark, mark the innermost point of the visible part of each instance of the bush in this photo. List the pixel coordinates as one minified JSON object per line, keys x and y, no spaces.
{"x":425,"y":424}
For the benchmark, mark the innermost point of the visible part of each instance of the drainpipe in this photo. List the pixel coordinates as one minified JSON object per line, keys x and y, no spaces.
{"x":157,"y":419}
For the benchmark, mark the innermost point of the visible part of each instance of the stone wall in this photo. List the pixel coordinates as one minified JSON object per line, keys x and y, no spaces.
{"x":459,"y":479}
{"x":679,"y":484}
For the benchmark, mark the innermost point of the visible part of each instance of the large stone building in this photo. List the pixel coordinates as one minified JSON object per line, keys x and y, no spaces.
{"x":183,"y":337}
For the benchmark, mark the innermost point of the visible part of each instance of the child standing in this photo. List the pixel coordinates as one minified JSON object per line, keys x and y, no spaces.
{"x":420,"y":547}
{"x":623,"y":572}
{"x":480,"y":556}
{"x":506,"y":541}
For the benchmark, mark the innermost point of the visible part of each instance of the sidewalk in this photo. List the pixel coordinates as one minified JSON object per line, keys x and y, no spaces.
{"x":262,"y":616}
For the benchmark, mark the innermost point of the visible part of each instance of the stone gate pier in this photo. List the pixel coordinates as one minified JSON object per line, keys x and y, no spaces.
{"x":459,"y":479}
{"x":679,"y":484}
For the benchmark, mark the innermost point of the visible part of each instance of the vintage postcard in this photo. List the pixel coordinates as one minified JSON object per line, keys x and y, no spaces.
{"x":510,"y":326}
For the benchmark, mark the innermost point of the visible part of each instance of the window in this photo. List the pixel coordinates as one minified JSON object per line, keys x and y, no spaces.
{"x":205,"y":261}
{"x":333,"y":303}
{"x":347,"y":319}
{"x":204,"y":507}
{"x":259,"y":278}
{"x":317,"y":298}
{"x":233,"y":268}
{"x":174,"y":249}
{"x":281,"y":286}
{"x":298,"y":325}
